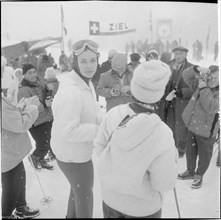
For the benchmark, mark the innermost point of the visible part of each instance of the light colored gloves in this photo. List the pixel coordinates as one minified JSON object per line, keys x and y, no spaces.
{"x":171,"y":95}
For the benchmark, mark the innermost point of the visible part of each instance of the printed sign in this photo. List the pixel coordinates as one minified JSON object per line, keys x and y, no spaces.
{"x":111,"y":28}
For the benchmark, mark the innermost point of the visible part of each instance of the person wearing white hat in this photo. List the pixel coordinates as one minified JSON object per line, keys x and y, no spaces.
{"x":152,"y":55}
{"x":136,"y":150}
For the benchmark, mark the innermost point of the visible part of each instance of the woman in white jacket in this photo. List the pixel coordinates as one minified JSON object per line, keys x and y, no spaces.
{"x":136,"y":149}
{"x":75,"y":125}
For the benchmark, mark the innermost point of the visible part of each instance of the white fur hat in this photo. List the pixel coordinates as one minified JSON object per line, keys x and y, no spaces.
{"x":149,"y":81}
{"x":50,"y":73}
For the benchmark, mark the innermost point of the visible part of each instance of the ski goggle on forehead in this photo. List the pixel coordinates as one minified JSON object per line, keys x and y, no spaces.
{"x":80,"y":46}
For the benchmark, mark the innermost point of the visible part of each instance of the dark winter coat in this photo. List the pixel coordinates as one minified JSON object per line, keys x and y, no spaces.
{"x":201,"y":114}
{"x":105,"y":66}
{"x":28,"y":89}
{"x":106,"y":83}
{"x":174,"y":109}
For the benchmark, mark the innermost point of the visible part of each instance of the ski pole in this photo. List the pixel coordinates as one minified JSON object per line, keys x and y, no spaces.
{"x":46,"y":199}
{"x":177,"y":205}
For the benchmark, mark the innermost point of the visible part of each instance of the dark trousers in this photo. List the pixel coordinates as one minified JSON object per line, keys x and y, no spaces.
{"x":112,"y":213}
{"x":13,"y":189}
{"x":42,"y":136}
{"x":175,"y":122}
{"x":202,"y":146}
{"x":81,"y":178}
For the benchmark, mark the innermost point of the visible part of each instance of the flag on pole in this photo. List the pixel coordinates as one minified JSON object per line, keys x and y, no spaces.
{"x":150,"y":21}
{"x":207,"y":42}
{"x":207,"y":39}
{"x":62,"y":20}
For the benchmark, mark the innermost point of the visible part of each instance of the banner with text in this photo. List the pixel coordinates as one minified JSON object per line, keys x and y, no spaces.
{"x":109,"y":29}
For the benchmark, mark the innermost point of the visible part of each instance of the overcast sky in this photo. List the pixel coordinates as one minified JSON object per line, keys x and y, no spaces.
{"x":33,"y":20}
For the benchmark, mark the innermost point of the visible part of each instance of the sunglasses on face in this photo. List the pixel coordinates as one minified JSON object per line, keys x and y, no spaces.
{"x":80,"y":46}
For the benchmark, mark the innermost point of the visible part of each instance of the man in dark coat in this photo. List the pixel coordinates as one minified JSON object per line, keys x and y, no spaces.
{"x":177,"y":95}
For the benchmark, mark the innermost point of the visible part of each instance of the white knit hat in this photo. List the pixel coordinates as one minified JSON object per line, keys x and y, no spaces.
{"x":50,"y":73}
{"x":149,"y":81}
{"x":111,"y":53}
{"x":152,"y":51}
{"x":119,"y":62}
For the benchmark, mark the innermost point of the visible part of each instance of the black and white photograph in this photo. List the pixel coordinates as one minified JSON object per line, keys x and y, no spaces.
{"x":110,"y":109}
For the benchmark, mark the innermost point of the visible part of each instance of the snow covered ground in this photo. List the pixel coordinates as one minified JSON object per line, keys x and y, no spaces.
{"x":193,"y":203}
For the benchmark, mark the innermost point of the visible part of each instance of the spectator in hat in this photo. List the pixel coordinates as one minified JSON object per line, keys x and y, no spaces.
{"x":105,"y":66}
{"x":114,"y":84}
{"x":137,"y":162}
{"x":152,"y":55}
{"x":201,"y":118}
{"x":32,"y":85}
{"x":15,"y":145}
{"x":135,"y":61}
{"x":177,"y":97}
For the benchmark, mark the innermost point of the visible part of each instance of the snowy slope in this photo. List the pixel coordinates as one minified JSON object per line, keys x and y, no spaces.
{"x":193,"y":203}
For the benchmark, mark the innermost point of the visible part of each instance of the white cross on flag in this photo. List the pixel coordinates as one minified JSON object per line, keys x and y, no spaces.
{"x":94,"y":28}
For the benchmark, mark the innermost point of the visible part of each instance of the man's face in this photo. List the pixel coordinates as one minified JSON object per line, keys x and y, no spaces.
{"x":213,"y":79}
{"x":31,"y":75}
{"x":180,"y":56}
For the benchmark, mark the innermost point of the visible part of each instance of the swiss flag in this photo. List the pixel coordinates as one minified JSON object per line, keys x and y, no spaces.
{"x":94,"y":28}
